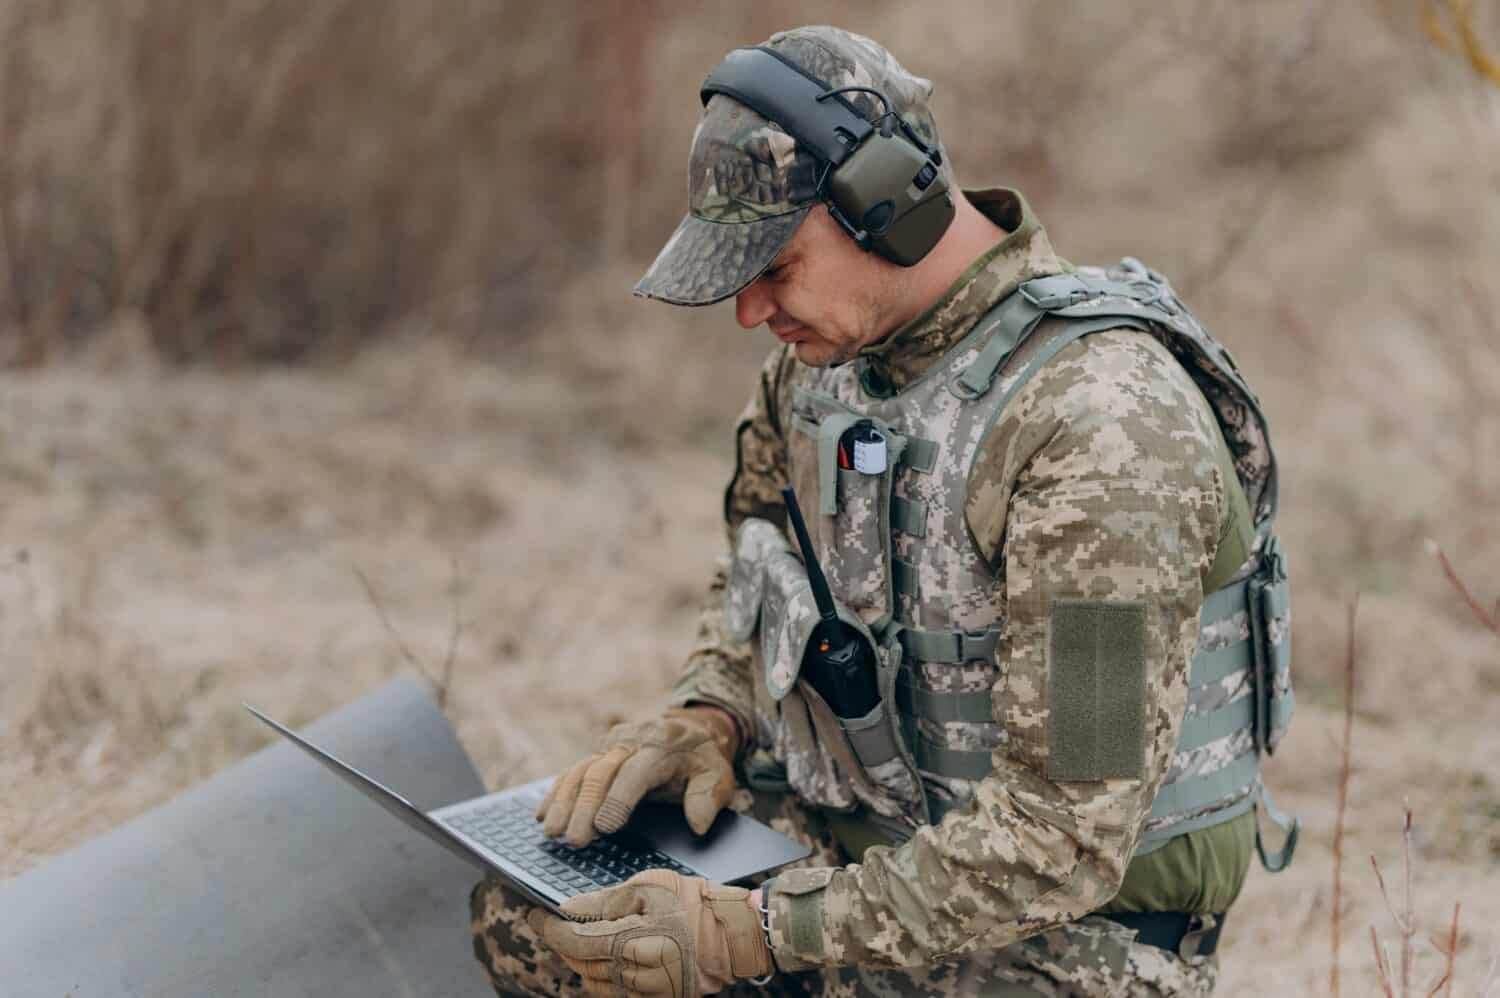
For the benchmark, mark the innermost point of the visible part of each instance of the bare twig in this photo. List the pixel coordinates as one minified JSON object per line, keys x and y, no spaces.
{"x":1485,"y":617}
{"x":1446,"y":981}
{"x":455,"y":633}
{"x":1345,"y":756}
{"x":1409,"y":931}
{"x":1405,"y":919}
{"x":443,"y":678}
{"x":1237,"y":234}
{"x":390,"y":628}
{"x":1464,"y":39}
{"x":1382,"y":967}
{"x":1389,"y":907}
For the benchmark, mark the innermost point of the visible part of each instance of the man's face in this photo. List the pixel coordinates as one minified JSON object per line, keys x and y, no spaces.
{"x":823,"y":294}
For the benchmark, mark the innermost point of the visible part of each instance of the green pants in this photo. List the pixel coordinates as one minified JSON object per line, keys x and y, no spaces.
{"x":1067,"y":961}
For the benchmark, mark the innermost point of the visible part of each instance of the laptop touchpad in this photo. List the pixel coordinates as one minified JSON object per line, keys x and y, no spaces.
{"x":733,"y":849}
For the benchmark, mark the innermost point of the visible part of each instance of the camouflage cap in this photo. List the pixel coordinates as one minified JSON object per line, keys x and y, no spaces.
{"x":750,"y":185}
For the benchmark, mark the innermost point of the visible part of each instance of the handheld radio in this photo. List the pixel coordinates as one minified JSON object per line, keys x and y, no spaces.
{"x":838,"y":659}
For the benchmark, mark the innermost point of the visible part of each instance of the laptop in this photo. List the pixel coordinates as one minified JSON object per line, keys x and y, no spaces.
{"x":499,"y":834}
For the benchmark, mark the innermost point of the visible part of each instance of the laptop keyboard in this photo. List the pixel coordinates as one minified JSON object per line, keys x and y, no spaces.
{"x":508,"y":827}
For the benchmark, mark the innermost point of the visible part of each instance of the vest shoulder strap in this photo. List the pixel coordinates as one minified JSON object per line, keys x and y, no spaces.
{"x":1131,"y":295}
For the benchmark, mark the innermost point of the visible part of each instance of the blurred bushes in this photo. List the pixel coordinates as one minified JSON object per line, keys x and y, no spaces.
{"x":262,"y":179}
{"x":256,"y":180}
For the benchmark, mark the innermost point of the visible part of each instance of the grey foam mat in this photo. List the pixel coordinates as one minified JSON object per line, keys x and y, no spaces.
{"x":273,"y":878}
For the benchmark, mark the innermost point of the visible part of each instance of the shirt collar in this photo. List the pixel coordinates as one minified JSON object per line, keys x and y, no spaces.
{"x":1022,"y":254}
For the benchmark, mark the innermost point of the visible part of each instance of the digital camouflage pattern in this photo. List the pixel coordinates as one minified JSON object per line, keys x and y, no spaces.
{"x":718,"y":669}
{"x":749,"y":186}
{"x":1084,"y":488}
{"x":1095,"y":957}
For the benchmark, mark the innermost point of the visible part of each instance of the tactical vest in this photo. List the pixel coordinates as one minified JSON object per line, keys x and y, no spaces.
{"x":897,"y":552}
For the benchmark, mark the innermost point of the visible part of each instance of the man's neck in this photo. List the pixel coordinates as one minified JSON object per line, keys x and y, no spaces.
{"x":969,"y":236}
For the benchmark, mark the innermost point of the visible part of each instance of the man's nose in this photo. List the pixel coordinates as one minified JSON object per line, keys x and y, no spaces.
{"x":753,"y":305}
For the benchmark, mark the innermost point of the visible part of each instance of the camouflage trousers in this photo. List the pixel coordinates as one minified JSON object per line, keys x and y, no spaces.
{"x":1090,"y":958}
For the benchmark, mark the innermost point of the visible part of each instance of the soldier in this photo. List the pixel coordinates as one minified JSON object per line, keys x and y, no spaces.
{"x":1043,"y":496}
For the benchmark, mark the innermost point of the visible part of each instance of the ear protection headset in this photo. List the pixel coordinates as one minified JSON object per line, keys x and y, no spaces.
{"x":880,"y":180}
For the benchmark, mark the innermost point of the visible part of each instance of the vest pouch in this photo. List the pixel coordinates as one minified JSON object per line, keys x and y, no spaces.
{"x":820,"y":757}
{"x":848,"y":461}
{"x":1270,"y":625}
{"x":831,"y":762}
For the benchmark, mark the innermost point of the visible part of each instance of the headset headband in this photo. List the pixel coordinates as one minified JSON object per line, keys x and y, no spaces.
{"x":887,"y":193}
{"x":828,"y":127}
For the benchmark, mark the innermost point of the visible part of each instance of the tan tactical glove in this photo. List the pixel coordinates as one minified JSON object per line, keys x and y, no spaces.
{"x":687,"y":755}
{"x":659,"y":933}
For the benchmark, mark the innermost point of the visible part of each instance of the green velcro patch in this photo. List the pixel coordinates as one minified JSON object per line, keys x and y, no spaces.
{"x":804,"y":915}
{"x":1096,"y":690}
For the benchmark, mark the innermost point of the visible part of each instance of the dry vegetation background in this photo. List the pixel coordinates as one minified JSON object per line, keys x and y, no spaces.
{"x":320,"y":364}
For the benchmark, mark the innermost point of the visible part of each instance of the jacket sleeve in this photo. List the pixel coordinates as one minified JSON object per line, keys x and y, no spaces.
{"x":717,"y":670}
{"x":1096,"y":499}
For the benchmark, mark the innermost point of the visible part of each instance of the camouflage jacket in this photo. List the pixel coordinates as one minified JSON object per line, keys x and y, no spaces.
{"x":1097,"y":479}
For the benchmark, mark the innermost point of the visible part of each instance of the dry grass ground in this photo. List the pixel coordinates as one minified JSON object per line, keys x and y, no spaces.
{"x":544,"y":507}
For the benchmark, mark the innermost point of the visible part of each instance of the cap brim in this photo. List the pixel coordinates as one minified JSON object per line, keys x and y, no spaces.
{"x":705,"y":262}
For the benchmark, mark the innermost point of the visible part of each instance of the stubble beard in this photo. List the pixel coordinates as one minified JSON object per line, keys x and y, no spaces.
{"x":876,"y":319}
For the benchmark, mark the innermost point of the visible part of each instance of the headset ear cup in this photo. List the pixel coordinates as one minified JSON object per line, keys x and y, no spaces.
{"x":878,"y":219}
{"x":914,"y":234}
{"x":895,"y":194}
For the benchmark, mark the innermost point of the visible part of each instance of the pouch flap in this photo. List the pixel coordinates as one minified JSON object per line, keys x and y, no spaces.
{"x":789,"y":615}
{"x":755,"y":542}
{"x":804,"y":880}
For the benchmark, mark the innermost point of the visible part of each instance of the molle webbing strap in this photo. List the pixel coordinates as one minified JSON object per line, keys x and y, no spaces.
{"x":1276,"y":860}
{"x":1074,"y":330}
{"x":1013,"y":320}
{"x":973,"y":707}
{"x":920,"y":455}
{"x":904,"y":577}
{"x":1224,"y":603}
{"x":1200,"y":729}
{"x":948,"y":646}
{"x":1211,"y":666}
{"x":958,"y":764}
{"x":1154,"y":839}
{"x":909,"y":516}
{"x":1060,"y":291}
{"x":1196,"y":793}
